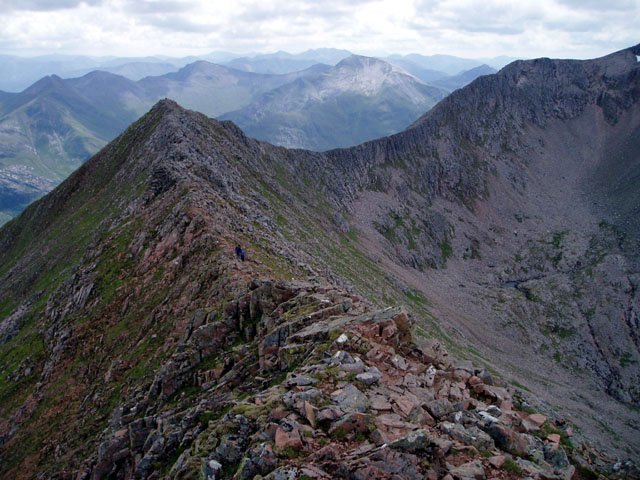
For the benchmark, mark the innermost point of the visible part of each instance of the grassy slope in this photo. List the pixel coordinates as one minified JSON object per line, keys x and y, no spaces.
{"x":41,"y":251}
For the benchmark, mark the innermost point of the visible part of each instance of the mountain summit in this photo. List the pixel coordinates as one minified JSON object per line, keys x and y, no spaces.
{"x":359,"y":99}
{"x":500,"y":228}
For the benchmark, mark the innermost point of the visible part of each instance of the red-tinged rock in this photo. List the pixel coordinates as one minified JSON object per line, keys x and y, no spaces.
{"x":369,"y":330}
{"x":310,"y":413}
{"x":288,"y":436}
{"x":497,"y":461}
{"x":506,"y":405}
{"x":378,"y":437}
{"x":391,"y":420}
{"x":328,"y":453}
{"x":313,"y":471}
{"x":533,"y":422}
{"x":427,"y":419}
{"x":431,"y":475}
{"x":405,"y":404}
{"x":507,"y":439}
{"x":278,"y":414}
{"x":500,"y":394}
{"x":353,"y":422}
{"x":469,"y":470}
{"x":329,"y":414}
{"x":554,"y":437}
{"x":474,"y":381}
{"x":537,"y":418}
{"x":389,"y":331}
{"x":380,"y":403}
{"x":269,"y":431}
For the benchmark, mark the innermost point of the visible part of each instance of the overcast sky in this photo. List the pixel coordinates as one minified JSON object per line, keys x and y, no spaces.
{"x":470,"y":28}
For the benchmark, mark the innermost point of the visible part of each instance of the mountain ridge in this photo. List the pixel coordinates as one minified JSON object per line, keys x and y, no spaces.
{"x":44,"y":151}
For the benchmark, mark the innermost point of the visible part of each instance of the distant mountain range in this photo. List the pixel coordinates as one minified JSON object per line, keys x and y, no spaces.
{"x":283,"y":62}
{"x":17,"y":73}
{"x":52,"y":127}
{"x":463,"y":78}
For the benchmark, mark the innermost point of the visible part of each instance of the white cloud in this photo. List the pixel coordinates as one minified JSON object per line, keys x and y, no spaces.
{"x":474,"y":28}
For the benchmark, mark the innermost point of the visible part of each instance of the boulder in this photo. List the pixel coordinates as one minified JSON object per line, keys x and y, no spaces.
{"x":439,"y":408}
{"x":211,"y":469}
{"x":468,"y":471}
{"x":556,"y":457}
{"x":469,"y":436}
{"x":231,"y":448}
{"x":329,"y":414}
{"x":260,"y":460}
{"x":416,"y":441}
{"x":353,"y":422}
{"x":288,"y":435}
{"x":371,"y":376}
{"x":497,"y":461}
{"x":310,"y":413}
{"x":533,"y":422}
{"x":350,"y":399}
{"x":508,"y":440}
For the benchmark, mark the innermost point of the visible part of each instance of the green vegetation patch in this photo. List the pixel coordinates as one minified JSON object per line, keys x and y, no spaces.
{"x":446,"y":250}
{"x":626,"y":360}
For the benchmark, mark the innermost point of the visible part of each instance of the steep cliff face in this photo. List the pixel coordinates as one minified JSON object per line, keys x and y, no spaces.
{"x":128,"y":327}
{"x":521,"y":184}
{"x":516,"y":183}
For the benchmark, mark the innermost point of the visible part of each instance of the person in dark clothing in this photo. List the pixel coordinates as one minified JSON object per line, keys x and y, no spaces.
{"x":238,"y":251}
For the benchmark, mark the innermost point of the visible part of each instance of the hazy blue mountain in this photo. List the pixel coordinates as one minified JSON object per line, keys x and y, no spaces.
{"x":51,"y":128}
{"x":284,"y":62}
{"x":330,"y":56}
{"x":17,"y":73}
{"x":216,"y":89}
{"x":454,"y":82}
{"x":139,"y":70}
{"x":498,"y":62}
{"x":425,"y":74}
{"x":359,"y":99}
{"x":447,"y":64}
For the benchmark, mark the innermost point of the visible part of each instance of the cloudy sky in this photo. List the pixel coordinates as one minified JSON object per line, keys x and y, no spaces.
{"x":471,"y":28}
